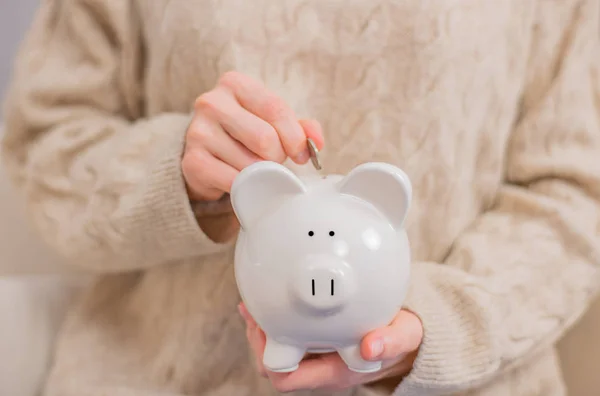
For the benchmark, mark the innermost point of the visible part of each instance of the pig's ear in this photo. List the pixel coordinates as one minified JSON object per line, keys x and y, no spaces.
{"x":384,"y":186}
{"x":259,"y":187}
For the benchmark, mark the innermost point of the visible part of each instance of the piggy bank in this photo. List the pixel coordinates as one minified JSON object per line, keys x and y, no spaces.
{"x":321,"y":261}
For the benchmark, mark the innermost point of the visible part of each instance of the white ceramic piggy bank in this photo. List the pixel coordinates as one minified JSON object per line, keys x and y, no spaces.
{"x":321,"y":261}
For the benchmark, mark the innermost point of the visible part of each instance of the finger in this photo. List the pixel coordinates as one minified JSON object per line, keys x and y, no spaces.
{"x":256,"y":98}
{"x":208,"y":177}
{"x":219,"y":143}
{"x":207,"y":194}
{"x":327,"y":371}
{"x":312,"y":129}
{"x":402,"y":336}
{"x":252,"y":132}
{"x":257,"y":341}
{"x":246,"y":314}
{"x":243,"y":311}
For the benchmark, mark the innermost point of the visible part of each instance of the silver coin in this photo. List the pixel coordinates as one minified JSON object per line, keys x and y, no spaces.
{"x":314,"y":154}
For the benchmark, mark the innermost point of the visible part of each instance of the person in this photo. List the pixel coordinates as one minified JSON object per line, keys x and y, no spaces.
{"x":127,"y":121}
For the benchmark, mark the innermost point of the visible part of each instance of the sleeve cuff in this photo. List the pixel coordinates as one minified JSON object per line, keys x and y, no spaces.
{"x":455,"y":354}
{"x":165,"y":217}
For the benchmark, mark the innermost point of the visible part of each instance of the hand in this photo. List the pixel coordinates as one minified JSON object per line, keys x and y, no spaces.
{"x":234,"y":125}
{"x":396,"y":345}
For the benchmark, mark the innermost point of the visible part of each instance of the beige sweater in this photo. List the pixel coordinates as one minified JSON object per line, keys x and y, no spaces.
{"x":492,"y":108}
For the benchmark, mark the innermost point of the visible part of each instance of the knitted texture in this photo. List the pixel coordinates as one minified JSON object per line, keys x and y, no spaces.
{"x":491,"y":107}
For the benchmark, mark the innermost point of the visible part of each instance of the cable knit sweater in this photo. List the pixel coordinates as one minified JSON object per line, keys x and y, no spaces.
{"x":491,"y":107}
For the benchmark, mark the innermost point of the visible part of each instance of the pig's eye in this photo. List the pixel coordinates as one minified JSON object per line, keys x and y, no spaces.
{"x":331,"y":233}
{"x":310,"y":233}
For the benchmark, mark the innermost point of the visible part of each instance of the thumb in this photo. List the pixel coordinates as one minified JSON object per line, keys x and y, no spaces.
{"x":402,"y":336}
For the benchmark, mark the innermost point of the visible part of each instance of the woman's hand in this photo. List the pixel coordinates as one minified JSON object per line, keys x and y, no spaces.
{"x":396,"y":345}
{"x":235,"y":124}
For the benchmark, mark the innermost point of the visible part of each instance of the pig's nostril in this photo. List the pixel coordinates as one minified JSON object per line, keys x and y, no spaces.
{"x":332,"y":287}
{"x":313,"y":287}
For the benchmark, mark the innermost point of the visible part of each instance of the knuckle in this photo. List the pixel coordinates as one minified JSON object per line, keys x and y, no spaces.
{"x":201,"y":162}
{"x":203,"y":100}
{"x":207,"y":102}
{"x":188,"y":165}
{"x":274,"y":109}
{"x":199,"y":132}
{"x":231,"y":79}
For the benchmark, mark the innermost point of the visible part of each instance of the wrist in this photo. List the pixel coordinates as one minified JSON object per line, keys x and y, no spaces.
{"x":212,"y":208}
{"x":216,"y":218}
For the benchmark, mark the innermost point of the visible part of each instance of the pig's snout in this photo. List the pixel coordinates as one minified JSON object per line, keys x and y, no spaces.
{"x":323,"y":283}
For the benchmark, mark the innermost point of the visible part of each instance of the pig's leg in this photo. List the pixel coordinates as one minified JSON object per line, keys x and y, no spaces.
{"x":281,"y":358}
{"x":351,"y":356}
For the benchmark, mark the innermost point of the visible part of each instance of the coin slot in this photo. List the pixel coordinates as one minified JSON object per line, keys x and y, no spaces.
{"x":332,"y":287}
{"x":313,"y":287}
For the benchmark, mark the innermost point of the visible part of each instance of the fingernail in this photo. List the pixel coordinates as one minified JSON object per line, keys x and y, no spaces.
{"x":377,"y":348}
{"x":302,"y":157}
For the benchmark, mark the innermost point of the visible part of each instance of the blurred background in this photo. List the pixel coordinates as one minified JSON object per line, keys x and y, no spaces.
{"x":35,"y":289}
{"x":34,"y":294}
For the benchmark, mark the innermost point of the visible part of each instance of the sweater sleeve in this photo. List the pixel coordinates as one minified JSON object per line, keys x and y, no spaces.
{"x":527,"y":269}
{"x":102,"y":183}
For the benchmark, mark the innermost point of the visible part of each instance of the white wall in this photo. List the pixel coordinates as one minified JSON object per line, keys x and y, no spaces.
{"x":20,"y":249}
{"x":15,"y":16}
{"x":32,"y":306}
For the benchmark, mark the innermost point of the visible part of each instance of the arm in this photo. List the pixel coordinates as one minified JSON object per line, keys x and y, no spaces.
{"x":526,"y":270}
{"x":103,"y":185}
